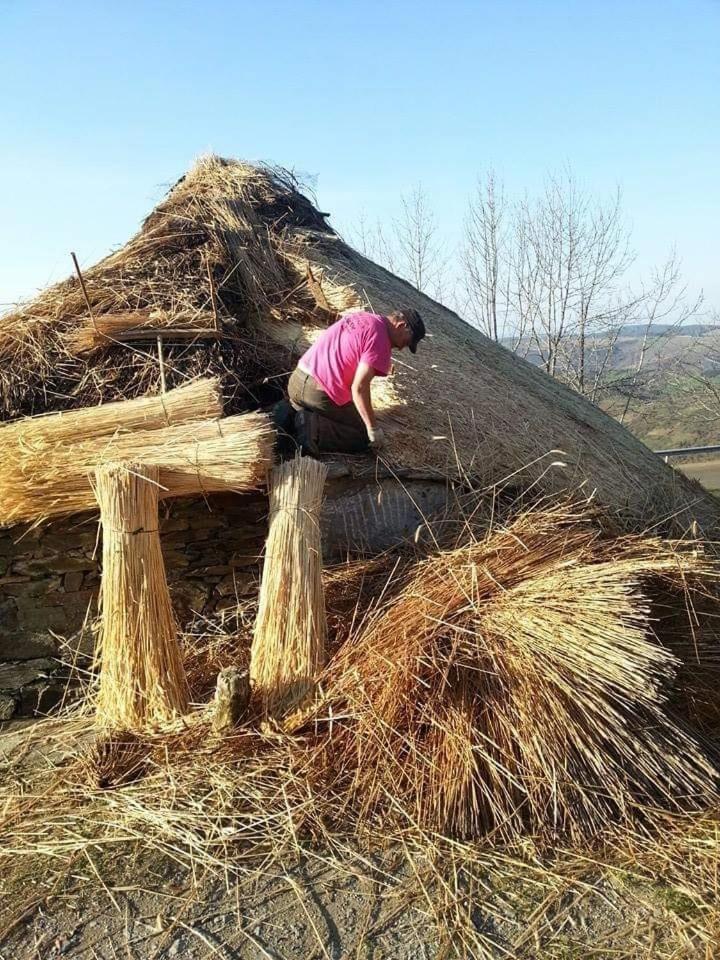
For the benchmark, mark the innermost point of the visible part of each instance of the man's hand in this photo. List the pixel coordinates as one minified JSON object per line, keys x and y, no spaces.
{"x":376,"y":436}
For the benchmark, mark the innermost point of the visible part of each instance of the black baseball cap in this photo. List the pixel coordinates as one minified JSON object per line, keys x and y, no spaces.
{"x":413,"y":319}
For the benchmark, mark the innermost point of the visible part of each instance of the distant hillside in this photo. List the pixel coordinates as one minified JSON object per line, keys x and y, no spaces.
{"x":678,"y":404}
{"x":678,"y":415}
{"x":695,"y":346}
{"x":659,"y":329}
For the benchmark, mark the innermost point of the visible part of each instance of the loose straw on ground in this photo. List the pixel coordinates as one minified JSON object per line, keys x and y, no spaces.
{"x":289,"y":643}
{"x":233,"y":454}
{"x":142,"y":678}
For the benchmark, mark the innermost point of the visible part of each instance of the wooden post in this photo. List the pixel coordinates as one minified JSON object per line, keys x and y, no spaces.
{"x":83,"y":287}
{"x":163,"y":382}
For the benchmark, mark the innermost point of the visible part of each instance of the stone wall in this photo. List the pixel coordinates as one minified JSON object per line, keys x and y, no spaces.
{"x":50,"y":575}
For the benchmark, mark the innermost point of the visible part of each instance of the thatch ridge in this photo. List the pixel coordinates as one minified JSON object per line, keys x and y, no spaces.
{"x":243,"y":243}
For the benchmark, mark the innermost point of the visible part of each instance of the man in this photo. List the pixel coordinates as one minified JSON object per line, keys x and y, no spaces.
{"x":330,"y":387}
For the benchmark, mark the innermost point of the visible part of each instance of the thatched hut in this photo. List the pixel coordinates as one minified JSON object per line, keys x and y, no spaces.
{"x":233,"y":273}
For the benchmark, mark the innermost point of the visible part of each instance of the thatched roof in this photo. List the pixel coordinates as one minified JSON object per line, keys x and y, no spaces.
{"x":247,"y":271}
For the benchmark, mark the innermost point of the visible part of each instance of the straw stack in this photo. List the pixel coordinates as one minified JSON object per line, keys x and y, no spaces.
{"x":289,"y":642}
{"x":514,"y":686}
{"x":108,"y":328}
{"x":53,"y":479}
{"x":197,"y":400}
{"x":142,"y":679}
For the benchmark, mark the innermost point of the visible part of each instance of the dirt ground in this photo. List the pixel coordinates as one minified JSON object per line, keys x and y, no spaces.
{"x":107,"y":906}
{"x":104,"y":907}
{"x":117,"y":900}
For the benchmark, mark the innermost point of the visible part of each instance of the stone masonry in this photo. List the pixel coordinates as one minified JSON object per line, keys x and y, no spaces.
{"x":50,"y":575}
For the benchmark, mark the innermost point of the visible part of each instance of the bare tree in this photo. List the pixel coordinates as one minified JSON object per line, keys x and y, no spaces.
{"x":570,"y":256}
{"x":372,"y":241}
{"x":421,"y":259}
{"x":411,"y":248}
{"x":696,"y":375}
{"x":484,"y":258}
{"x":546,"y":276}
{"x":543,"y":275}
{"x":663,"y":304}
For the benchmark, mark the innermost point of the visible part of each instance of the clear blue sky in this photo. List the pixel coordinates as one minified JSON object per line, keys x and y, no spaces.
{"x":104,"y":104}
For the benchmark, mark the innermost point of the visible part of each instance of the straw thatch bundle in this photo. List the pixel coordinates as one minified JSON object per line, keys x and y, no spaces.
{"x":102,"y":332}
{"x":142,"y":679}
{"x":288,"y":649}
{"x":514,"y":685}
{"x":207,"y":456}
{"x":197,"y":400}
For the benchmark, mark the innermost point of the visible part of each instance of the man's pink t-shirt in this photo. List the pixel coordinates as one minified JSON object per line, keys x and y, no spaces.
{"x":334,"y":357}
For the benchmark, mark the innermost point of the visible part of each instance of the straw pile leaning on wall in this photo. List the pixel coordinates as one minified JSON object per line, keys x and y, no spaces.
{"x":142,"y":678}
{"x":289,"y":642}
{"x":197,"y":400}
{"x":515,"y":686}
{"x":207,"y":456}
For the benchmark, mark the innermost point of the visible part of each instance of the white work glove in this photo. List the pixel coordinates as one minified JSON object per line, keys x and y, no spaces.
{"x":376,"y":438}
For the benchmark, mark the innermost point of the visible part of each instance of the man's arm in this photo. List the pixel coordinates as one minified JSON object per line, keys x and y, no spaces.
{"x":360,"y":391}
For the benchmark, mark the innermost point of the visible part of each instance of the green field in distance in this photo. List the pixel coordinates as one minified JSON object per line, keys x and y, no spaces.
{"x":707,"y":472}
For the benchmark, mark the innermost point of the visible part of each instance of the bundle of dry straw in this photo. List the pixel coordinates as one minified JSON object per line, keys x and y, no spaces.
{"x":197,"y":400}
{"x":109,"y":328}
{"x":142,"y":679}
{"x":289,"y":642}
{"x":207,"y":456}
{"x":514,"y":685}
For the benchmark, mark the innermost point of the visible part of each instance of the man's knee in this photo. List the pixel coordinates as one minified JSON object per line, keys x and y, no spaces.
{"x":321,"y":434}
{"x":295,"y":389}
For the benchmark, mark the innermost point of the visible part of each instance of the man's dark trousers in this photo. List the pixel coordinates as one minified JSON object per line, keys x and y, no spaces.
{"x":329,"y":428}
